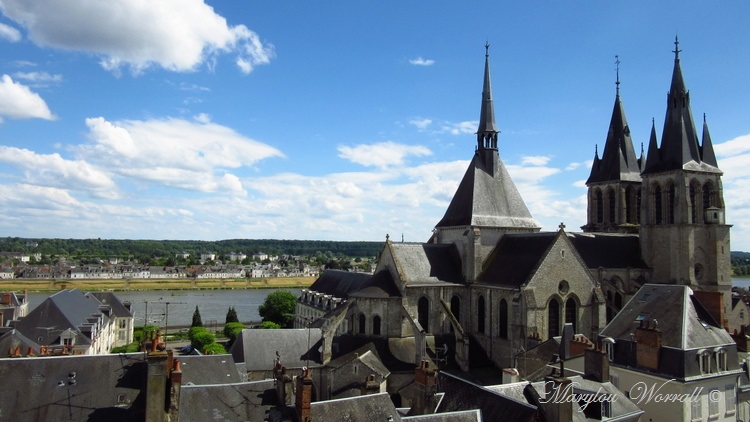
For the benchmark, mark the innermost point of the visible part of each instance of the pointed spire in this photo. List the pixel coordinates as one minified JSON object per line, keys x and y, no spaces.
{"x":707,"y":148}
{"x":594,"y":175}
{"x":679,"y":141}
{"x":652,"y":159}
{"x":487,"y":131}
{"x":617,"y":67}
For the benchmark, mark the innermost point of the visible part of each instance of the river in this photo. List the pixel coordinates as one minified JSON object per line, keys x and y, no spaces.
{"x":213,"y":305}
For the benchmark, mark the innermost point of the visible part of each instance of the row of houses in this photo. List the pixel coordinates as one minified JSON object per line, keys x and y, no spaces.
{"x":116,"y":272}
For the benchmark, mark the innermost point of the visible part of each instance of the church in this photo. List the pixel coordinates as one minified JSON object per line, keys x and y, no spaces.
{"x":489,"y":282}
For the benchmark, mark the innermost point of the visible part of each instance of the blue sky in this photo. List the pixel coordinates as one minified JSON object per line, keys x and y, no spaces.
{"x":341,"y":120}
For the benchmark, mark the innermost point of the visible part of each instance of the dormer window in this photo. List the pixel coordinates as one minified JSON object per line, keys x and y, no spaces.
{"x":721,"y":359}
{"x":609,"y":347}
{"x":704,"y":361}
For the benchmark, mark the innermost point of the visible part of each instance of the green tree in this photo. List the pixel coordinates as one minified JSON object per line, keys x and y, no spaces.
{"x":279,"y":308}
{"x":269,"y":325}
{"x":231,"y":315}
{"x":232,"y":330}
{"x":201,"y":338}
{"x":197,"y":322}
{"x":213,"y":349}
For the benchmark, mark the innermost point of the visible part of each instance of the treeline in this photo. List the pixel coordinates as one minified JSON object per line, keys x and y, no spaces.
{"x":147,"y":249}
{"x":740,"y":263}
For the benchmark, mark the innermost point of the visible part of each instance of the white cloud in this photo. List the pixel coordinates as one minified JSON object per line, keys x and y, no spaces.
{"x":17,"y":101}
{"x":38,"y":77}
{"x":9,"y":33}
{"x":174,"y":152}
{"x":419,"y":61}
{"x":572,"y":166}
{"x":460,"y":128}
{"x":421,"y":124}
{"x":734,"y":146}
{"x":177,"y":35}
{"x":382,"y":155}
{"x":535,"y":160}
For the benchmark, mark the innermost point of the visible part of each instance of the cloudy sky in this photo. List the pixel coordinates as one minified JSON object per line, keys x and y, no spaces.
{"x":341,"y":120}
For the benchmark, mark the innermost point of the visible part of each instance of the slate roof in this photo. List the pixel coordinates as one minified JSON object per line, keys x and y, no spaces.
{"x":514,"y":259}
{"x":247,"y":401}
{"x":340,"y":283}
{"x":372,"y":407}
{"x":13,"y":339}
{"x":66,"y":309}
{"x":608,"y":250}
{"x":104,"y":388}
{"x":118,"y":307}
{"x":427,"y":263}
{"x":461,"y":416}
{"x":618,"y":160}
{"x":209,"y":369}
{"x":462,"y":395}
{"x":489,"y":200}
{"x":257,"y":348}
{"x":366,"y":354}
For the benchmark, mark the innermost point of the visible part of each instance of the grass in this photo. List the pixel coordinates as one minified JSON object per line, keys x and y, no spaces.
{"x":154,"y":284}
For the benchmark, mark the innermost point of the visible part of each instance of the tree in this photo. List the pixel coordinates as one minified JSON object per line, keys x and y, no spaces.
{"x":279,"y":308}
{"x":197,"y":322}
{"x":231,"y":315}
{"x":200,"y":337}
{"x":233,"y":330}
{"x":269,"y":325}
{"x":213,"y":349}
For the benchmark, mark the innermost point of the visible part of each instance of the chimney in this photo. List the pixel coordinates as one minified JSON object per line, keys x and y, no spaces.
{"x":371,"y":385}
{"x":557,"y":405}
{"x":304,"y":395}
{"x":424,"y":397}
{"x":175,"y":381}
{"x":648,"y":344}
{"x":156,"y":384}
{"x":6,"y":298}
{"x":596,"y":364}
{"x":511,"y":375}
{"x":714,"y":304}
{"x":283,"y":384}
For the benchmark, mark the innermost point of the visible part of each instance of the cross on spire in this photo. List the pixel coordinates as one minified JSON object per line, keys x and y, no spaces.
{"x":561,"y":226}
{"x":617,"y":69}
{"x":676,"y":50}
{"x":486,"y":49}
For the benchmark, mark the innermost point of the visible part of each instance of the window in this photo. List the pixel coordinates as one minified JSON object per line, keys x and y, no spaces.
{"x":480,"y":314}
{"x":376,"y":325}
{"x":693,"y":205}
{"x":553,"y":318}
{"x":456,"y":309}
{"x":571,"y":313}
{"x":609,"y":347}
{"x":696,"y":409}
{"x":503,"y":332}
{"x":713,"y":405}
{"x":599,"y":206}
{"x":361,"y":323}
{"x":657,"y":205}
{"x":721,"y":359}
{"x":423,"y":309}
{"x":729,"y":398}
{"x":704,"y":361}
{"x":611,"y":205}
{"x":672,"y":204}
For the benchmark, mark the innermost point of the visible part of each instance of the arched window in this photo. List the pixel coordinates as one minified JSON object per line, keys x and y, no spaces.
{"x":693,"y":205}
{"x":657,"y":205}
{"x":599,"y":206}
{"x":480,"y":314}
{"x":376,"y":325}
{"x":503,"y":315}
{"x":456,"y":309}
{"x":611,"y":205}
{"x":707,"y":196}
{"x":629,"y":201}
{"x":618,"y":301}
{"x":672,"y":205}
{"x":553,"y":318}
{"x":571,"y":314}
{"x":361,"y":323}
{"x":638,"y":206}
{"x":423,"y":313}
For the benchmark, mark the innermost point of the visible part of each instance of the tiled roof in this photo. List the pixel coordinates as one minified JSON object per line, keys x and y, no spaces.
{"x":511,"y":263}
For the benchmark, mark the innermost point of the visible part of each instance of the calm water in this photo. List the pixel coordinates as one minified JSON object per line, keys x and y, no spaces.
{"x":213,"y":305}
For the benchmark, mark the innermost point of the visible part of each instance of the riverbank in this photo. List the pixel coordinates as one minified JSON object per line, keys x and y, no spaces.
{"x":155,"y":284}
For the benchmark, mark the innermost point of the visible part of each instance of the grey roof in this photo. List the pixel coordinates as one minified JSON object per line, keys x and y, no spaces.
{"x":257,"y":348}
{"x":340,"y":283}
{"x":463,"y":395}
{"x":618,"y":160}
{"x":118,"y":307}
{"x":419,"y":263}
{"x":104,"y":387}
{"x":608,"y":250}
{"x":247,"y":401}
{"x":14,"y":339}
{"x":487,"y":199}
{"x":686,"y":328}
{"x":679,"y":141}
{"x":460,"y":416}
{"x":487,"y":110}
{"x":209,"y":369}
{"x":66,"y":309}
{"x":373,"y":407}
{"x":366,"y":354}
{"x":515,"y":257}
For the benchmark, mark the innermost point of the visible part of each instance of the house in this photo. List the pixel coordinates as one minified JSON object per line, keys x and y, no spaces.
{"x":122,"y":315}
{"x":668,"y":338}
{"x":73,"y":322}
{"x":13,"y":306}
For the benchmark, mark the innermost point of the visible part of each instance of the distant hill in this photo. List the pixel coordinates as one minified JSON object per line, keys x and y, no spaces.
{"x":740,"y":263}
{"x":147,"y":249}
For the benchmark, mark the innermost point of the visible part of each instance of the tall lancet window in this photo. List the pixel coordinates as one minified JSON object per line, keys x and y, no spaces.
{"x":423,"y":309}
{"x":480,"y":314}
{"x":693,"y":205}
{"x":599,"y":206}
{"x":553,"y":318}
{"x":658,"y":216}
{"x":671,"y":203}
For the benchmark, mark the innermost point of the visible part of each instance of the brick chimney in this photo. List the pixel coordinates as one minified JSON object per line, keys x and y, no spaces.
{"x":6,"y":298}
{"x":156,"y":383}
{"x":175,"y":381}
{"x":304,"y":395}
{"x":283,"y":384}
{"x":596,"y":364}
{"x":714,"y":304}
{"x":648,"y":344}
{"x":557,"y":404}
{"x":424,"y":397}
{"x":370,"y":386}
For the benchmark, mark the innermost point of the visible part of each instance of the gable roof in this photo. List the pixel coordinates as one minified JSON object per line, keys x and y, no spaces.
{"x":464,"y":395}
{"x":247,"y":401}
{"x":110,"y":299}
{"x":371,"y":407}
{"x":99,"y":387}
{"x":608,"y":250}
{"x":258,"y":348}
{"x":487,"y":199}
{"x":209,"y":369}
{"x":514,"y":258}
{"x":427,"y":263}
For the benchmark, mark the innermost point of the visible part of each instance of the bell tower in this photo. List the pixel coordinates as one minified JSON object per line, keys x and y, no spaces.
{"x":683,"y":233}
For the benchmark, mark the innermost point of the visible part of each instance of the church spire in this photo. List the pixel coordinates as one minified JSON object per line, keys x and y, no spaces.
{"x":707,"y":148}
{"x":487,"y":131}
